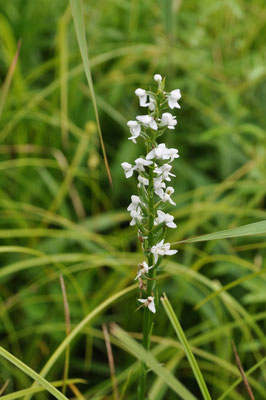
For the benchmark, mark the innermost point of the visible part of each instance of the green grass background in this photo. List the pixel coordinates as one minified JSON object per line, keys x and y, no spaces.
{"x":60,"y":215}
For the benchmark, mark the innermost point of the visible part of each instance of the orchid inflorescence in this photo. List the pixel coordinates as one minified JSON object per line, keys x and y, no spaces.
{"x":154,"y":171}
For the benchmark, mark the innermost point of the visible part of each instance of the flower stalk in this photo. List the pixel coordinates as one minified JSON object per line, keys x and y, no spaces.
{"x":146,"y":208}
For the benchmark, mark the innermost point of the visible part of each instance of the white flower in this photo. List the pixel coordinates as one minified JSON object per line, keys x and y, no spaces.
{"x":158,"y":78}
{"x":141,"y":163}
{"x":147,"y":121}
{"x":162,"y":249}
{"x":162,"y":153}
{"x":149,"y":302}
{"x":143,"y":181}
{"x":136,"y":216}
{"x":169,"y":120}
{"x":173,"y":153}
{"x":164,"y":171}
{"x":164,"y":218}
{"x":144,"y":269}
{"x":135,"y":200}
{"x":128,"y":169}
{"x":152,"y":104}
{"x":142,"y":95}
{"x":166,"y":197}
{"x":134,"y":130}
{"x":158,"y":186}
{"x":173,"y":98}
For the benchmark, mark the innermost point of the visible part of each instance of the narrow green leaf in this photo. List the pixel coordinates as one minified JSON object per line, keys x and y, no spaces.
{"x":77,"y":12}
{"x":27,"y":370}
{"x":258,"y":228}
{"x":18,"y":394}
{"x":138,"y":351}
{"x":73,"y":334}
{"x":190,"y":356}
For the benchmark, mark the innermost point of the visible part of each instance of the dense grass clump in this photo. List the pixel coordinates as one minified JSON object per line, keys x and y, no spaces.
{"x":61,"y":217}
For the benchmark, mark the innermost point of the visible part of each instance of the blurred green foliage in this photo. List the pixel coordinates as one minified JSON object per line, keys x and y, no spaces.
{"x":59,"y":214}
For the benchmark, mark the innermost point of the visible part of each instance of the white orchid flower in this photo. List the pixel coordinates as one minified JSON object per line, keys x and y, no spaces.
{"x":148,"y":121}
{"x":140,"y":163}
{"x":135,"y":200}
{"x":161,"y":152}
{"x":136,"y":216}
{"x":162,"y":249}
{"x":173,"y":98}
{"x":142,"y":95}
{"x":143,"y":181}
{"x":167,"y":195}
{"x":172,"y":154}
{"x":164,"y":218}
{"x":158,"y":186}
{"x":149,"y":302}
{"x":128,"y":168}
{"x":135,"y":129}
{"x":158,"y":78}
{"x":144,"y":269}
{"x":168,"y":120}
{"x":152,"y":104}
{"x":164,"y":171}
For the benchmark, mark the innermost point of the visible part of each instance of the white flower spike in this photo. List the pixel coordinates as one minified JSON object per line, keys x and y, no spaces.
{"x":173,"y":98}
{"x":164,"y":218}
{"x":149,"y":302}
{"x":154,"y":170}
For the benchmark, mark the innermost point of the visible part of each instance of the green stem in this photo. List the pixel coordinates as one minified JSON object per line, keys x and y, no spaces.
{"x":151,"y":284}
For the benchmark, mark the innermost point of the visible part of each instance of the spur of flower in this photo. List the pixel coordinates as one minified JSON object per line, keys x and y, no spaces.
{"x":153,"y":170}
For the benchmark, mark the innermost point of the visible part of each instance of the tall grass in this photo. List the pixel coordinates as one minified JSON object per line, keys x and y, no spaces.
{"x":60,"y":215}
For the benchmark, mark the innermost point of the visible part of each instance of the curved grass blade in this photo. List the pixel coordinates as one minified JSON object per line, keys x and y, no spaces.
{"x":27,"y":370}
{"x":54,"y":357}
{"x":38,"y":389}
{"x":190,"y":356}
{"x":257,"y":228}
{"x":138,"y":351}
{"x":77,"y":12}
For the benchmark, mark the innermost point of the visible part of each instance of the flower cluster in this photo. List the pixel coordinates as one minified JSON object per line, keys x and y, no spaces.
{"x":153,"y":172}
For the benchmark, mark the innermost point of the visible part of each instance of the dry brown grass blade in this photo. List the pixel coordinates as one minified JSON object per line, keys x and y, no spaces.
{"x":76,"y":392}
{"x":3,"y":388}
{"x":241,"y":370}
{"x":111,"y":361}
{"x":9,"y":76}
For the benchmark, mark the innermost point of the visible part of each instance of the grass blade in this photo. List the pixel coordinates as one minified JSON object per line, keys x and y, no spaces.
{"x":8,"y":80}
{"x":77,"y":12}
{"x":23,"y":392}
{"x":258,"y":228}
{"x":27,"y":370}
{"x":138,"y":351}
{"x":190,"y":356}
